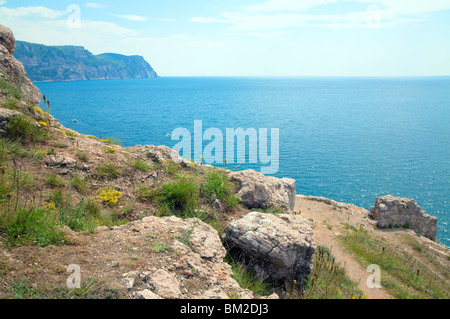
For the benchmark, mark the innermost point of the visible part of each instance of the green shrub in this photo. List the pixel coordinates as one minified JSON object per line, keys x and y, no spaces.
{"x":82,"y":156}
{"x":141,"y":165}
{"x":108,"y":170}
{"x":8,"y":88}
{"x":80,"y":184}
{"x":146,"y":193}
{"x":33,"y":227}
{"x":54,"y":180}
{"x":219,"y":187}
{"x":21,"y":128}
{"x":11,"y":104}
{"x":179,"y":198}
{"x":245,"y":277}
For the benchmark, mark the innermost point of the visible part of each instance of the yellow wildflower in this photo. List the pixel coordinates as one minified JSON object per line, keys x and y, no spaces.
{"x":50,"y":207}
{"x":43,"y":124}
{"x":109,"y":195}
{"x":39,"y":110}
{"x":109,"y":149}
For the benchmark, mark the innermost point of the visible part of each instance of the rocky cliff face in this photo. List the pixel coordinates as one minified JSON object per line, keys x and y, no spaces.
{"x":70,"y":63}
{"x":13,"y":78}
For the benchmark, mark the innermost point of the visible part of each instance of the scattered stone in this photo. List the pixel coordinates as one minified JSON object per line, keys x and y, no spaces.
{"x":165,"y":284}
{"x":396,"y":212}
{"x":60,"y":161}
{"x":281,"y":248}
{"x":101,"y":228}
{"x":217,"y":205}
{"x":128,"y":282}
{"x":146,"y":294}
{"x":260,"y":191}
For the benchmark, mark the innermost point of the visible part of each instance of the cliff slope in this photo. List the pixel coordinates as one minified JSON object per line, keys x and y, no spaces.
{"x":69,"y":63}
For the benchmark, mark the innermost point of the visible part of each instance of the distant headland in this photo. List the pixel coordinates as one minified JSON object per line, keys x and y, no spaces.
{"x":71,"y":63}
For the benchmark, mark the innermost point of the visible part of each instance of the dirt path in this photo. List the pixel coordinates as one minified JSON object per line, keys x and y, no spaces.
{"x":326,"y":220}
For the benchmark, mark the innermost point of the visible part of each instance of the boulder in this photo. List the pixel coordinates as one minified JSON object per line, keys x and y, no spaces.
{"x":13,"y":71}
{"x":392,"y":211}
{"x":164,"y":284}
{"x":7,"y":39}
{"x":5,"y":116}
{"x":281,"y":248}
{"x":60,"y":161}
{"x":260,"y":191}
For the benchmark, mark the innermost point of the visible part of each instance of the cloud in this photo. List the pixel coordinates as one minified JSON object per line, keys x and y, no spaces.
{"x":208,"y":20}
{"x":2,"y":2}
{"x":37,"y":12}
{"x":284,"y":14}
{"x":131,"y":17}
{"x":95,"y":5}
{"x":285,"y":5}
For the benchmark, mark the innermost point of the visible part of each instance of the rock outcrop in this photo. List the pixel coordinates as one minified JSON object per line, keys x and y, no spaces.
{"x":69,"y":63}
{"x":13,"y":72}
{"x":392,"y":211}
{"x":5,"y":116}
{"x":260,"y":191}
{"x":281,"y":248}
{"x":200,"y":258}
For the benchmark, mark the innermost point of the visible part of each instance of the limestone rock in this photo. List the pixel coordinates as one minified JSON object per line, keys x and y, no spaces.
{"x":7,"y":39}
{"x":165,"y":284}
{"x":5,"y":116}
{"x":392,"y":211}
{"x":146,"y":294}
{"x":260,"y":191}
{"x":13,"y":71}
{"x":60,"y":161}
{"x":278,"y":247}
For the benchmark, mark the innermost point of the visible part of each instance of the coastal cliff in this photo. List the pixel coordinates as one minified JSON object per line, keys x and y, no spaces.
{"x":70,"y":63}
{"x":141,"y":222}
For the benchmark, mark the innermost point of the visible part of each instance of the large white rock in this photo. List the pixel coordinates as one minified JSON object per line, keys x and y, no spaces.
{"x":278,"y":247}
{"x":260,"y":191}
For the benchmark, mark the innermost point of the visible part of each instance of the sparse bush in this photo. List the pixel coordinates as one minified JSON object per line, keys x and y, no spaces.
{"x":82,"y":156}
{"x":8,"y":88}
{"x":219,"y":187}
{"x":54,"y":180}
{"x":33,"y":227}
{"x":179,"y":198}
{"x":146,"y":193}
{"x":80,"y":184}
{"x":141,"y":165}
{"x":108,"y":170}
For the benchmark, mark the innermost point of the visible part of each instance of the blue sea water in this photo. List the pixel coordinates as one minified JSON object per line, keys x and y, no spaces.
{"x":349,"y":139}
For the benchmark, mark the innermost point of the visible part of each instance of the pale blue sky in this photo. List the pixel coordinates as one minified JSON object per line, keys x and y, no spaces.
{"x":250,"y":37}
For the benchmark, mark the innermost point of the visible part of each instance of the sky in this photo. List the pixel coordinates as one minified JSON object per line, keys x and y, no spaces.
{"x":249,"y":37}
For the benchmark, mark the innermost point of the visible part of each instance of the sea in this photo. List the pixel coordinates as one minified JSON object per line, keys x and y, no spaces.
{"x":348,"y":139}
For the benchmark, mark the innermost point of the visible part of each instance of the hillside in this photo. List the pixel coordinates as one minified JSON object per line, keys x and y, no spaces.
{"x":141,"y":222}
{"x":69,"y":63}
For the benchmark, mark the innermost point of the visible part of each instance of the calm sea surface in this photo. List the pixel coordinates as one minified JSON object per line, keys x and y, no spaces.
{"x":349,"y":139}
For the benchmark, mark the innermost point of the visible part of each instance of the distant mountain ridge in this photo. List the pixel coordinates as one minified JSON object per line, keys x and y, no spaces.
{"x":70,"y":63}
